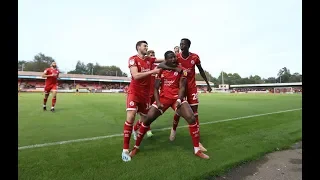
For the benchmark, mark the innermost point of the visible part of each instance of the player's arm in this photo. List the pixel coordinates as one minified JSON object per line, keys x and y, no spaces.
{"x":203,"y":74}
{"x":158,"y":60}
{"x":156,"y":90}
{"x":164,"y":66}
{"x":182,"y":87}
{"x":44,"y":75}
{"x":139,"y":75}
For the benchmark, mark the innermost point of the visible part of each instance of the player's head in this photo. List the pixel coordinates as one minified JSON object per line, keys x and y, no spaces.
{"x":142,"y":47}
{"x":176,"y":49}
{"x":185,"y":44}
{"x":54,"y":64}
{"x":151,"y":53}
{"x":171,"y":59}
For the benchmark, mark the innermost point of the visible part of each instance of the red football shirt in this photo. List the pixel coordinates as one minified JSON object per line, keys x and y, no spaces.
{"x":170,"y":82}
{"x":189,"y":63}
{"x":140,"y":88}
{"x":52,"y":79}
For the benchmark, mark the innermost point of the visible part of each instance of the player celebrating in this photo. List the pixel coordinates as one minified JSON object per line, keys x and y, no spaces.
{"x":177,"y":50}
{"x":172,"y":94}
{"x":51,"y":74}
{"x":138,"y":92}
{"x":188,"y":61}
{"x":151,"y":54}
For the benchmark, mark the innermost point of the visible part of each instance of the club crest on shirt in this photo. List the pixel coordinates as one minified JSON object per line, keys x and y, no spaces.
{"x":192,"y":61}
{"x":131,"y":62}
{"x":185,"y":72}
{"x":175,"y":73}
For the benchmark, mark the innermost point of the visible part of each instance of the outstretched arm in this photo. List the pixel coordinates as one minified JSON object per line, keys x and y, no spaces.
{"x":159,"y":60}
{"x":156,"y":91}
{"x":182,"y":87}
{"x":139,"y":75}
{"x":203,"y":75}
{"x":164,"y":66}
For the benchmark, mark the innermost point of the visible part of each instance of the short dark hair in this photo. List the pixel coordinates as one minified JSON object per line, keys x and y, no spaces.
{"x":187,"y":40}
{"x":150,"y":51}
{"x":139,"y":44}
{"x":166,"y":54}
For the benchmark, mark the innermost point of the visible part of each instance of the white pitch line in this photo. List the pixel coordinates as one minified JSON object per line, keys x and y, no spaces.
{"x":162,"y":129}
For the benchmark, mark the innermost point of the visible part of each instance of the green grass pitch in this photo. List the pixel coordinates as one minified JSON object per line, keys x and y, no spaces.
{"x":241,"y":138}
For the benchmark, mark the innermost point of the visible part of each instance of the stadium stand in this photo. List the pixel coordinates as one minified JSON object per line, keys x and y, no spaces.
{"x":33,"y":82}
{"x":268,"y":88}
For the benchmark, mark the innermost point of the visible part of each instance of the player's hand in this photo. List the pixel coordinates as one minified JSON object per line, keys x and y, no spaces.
{"x":178,"y":104}
{"x":209,"y":89}
{"x":160,"y":106}
{"x":178,"y":69}
{"x":155,"y":71}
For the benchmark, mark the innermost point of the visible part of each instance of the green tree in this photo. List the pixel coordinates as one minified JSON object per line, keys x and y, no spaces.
{"x":21,"y":64}
{"x":270,"y":80}
{"x":81,"y":68}
{"x":209,"y":77}
{"x":38,"y":64}
{"x":295,"y":77}
{"x":97,"y":69}
{"x":284,"y":75}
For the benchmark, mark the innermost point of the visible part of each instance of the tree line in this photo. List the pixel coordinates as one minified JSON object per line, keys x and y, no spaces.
{"x":41,"y":62}
{"x":283,"y":76}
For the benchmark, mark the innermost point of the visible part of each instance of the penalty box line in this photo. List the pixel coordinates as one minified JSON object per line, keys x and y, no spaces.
{"x":162,"y":129}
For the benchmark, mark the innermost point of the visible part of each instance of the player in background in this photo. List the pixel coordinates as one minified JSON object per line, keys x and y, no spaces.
{"x":136,"y":127}
{"x":172,"y":92}
{"x":138,"y":92}
{"x":77,"y":89}
{"x":51,"y":74}
{"x":177,"y":50}
{"x":188,"y":61}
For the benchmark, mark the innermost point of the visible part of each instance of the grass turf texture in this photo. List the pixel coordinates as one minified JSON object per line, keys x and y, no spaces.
{"x":90,"y":115}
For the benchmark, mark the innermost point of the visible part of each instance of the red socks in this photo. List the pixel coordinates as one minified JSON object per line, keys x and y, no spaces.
{"x":54,"y":101}
{"x":142,"y":131}
{"x":197,"y":121}
{"x":138,"y":125}
{"x":194,"y":133}
{"x":127,"y":131}
{"x":176,"y":119}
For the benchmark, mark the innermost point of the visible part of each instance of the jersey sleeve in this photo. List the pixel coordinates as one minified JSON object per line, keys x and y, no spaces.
{"x":198,"y":62}
{"x":152,"y":60}
{"x":132,"y":62}
{"x":46,"y":71}
{"x":158,"y":76}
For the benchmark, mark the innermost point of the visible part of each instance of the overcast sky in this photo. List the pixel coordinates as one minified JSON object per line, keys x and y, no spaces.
{"x":245,"y":36}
